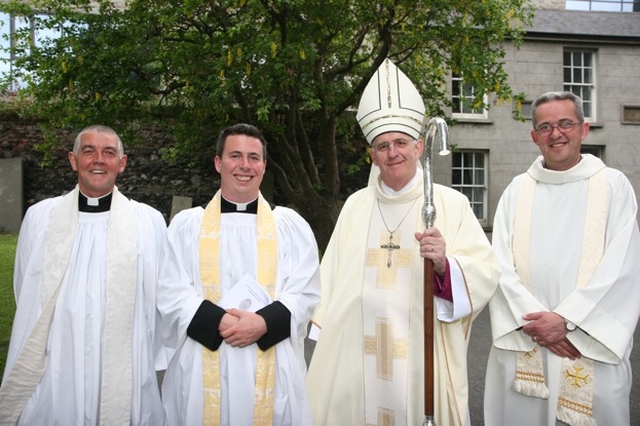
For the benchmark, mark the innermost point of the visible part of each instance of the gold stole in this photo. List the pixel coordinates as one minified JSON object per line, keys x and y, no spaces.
{"x":575,"y":402}
{"x":210,"y":274}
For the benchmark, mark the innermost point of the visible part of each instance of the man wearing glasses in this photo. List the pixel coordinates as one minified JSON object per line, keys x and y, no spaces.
{"x":367,"y":367}
{"x":568,"y":300}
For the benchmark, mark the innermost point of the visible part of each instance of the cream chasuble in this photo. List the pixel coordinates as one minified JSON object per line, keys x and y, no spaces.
{"x":367,"y":366}
{"x":387,"y":321}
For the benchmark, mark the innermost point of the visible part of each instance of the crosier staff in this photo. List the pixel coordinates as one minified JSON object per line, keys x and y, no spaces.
{"x":436,"y":128}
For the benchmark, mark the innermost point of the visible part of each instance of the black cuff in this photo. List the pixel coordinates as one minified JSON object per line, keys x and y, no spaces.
{"x":204,"y":325}
{"x":278,"y":319}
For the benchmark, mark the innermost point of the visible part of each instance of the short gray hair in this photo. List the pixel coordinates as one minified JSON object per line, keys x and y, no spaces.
{"x":557,"y":96}
{"x":97,"y":128}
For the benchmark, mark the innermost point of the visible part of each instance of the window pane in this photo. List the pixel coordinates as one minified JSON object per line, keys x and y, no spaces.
{"x":477,"y":209}
{"x":577,"y":59}
{"x":5,"y":33}
{"x":577,"y":5}
{"x":467,"y":159}
{"x":577,"y":75}
{"x":478,"y":195}
{"x":479,"y":160}
{"x":467,"y":177}
{"x":455,"y":88}
{"x":456,"y":177}
{"x":44,"y":34}
{"x":588,"y":74}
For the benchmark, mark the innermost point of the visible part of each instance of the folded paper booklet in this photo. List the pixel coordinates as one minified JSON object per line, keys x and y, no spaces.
{"x":246,"y":295}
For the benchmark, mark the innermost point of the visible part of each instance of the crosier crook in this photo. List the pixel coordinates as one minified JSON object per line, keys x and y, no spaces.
{"x":436,"y":128}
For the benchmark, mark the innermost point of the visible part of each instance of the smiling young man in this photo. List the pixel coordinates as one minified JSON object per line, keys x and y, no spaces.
{"x":368,"y":363}
{"x":568,"y":300}
{"x":83,"y":339}
{"x":239,"y":284}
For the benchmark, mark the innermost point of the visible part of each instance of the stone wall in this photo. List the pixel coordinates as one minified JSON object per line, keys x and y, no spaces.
{"x":148,"y":178}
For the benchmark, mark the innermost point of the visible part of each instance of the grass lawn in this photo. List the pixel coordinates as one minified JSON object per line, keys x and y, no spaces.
{"x":7,"y":302}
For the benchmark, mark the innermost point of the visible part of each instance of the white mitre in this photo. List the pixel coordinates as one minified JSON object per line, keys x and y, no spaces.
{"x":390,"y":103}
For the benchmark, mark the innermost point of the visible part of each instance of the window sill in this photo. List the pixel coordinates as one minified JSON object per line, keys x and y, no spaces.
{"x":467,"y":120}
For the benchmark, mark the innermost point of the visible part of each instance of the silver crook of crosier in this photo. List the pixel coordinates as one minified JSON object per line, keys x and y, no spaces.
{"x":436,"y":129}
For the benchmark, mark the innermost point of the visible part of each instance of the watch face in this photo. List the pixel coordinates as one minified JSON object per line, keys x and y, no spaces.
{"x":569,"y":325}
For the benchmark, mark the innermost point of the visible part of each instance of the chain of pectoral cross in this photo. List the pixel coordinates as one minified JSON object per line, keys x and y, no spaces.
{"x":390,"y":246}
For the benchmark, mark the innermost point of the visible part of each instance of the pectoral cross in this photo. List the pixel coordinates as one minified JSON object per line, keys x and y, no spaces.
{"x":390,"y":248}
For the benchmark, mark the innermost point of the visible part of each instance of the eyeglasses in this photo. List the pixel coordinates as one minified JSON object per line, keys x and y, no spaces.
{"x":386,"y":146}
{"x":563,"y":126}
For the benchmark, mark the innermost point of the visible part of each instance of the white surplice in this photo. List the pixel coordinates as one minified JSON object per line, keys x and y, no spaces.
{"x":606,"y":310}
{"x":368,"y":363}
{"x":69,"y":392}
{"x":180,"y":295}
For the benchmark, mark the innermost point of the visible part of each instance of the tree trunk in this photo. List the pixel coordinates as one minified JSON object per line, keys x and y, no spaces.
{"x":322,"y":214}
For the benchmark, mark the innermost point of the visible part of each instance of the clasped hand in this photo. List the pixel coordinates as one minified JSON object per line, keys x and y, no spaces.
{"x":241,"y":328}
{"x":548,"y":330}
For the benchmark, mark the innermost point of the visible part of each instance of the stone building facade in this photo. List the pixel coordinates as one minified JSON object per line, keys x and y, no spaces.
{"x":503,"y":145}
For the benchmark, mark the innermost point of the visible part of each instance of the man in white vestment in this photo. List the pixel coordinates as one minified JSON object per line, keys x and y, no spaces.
{"x":84,"y":336}
{"x":368,"y":364}
{"x":239,"y":285}
{"x":568,"y":301}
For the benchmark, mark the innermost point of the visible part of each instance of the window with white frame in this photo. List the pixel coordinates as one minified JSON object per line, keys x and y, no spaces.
{"x":469,"y":175}
{"x":462,"y":95}
{"x":604,"y":5}
{"x":11,"y":27}
{"x":579,"y":77}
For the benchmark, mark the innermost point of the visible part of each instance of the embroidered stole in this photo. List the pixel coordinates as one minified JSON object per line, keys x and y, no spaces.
{"x":209,"y":256}
{"x":115,"y":402}
{"x":575,"y":402}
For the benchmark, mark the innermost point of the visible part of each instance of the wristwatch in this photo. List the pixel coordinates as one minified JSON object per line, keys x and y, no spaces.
{"x":569,"y":325}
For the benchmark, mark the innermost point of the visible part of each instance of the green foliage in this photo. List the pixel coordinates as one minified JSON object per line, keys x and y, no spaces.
{"x":7,"y":302}
{"x":295,"y":68}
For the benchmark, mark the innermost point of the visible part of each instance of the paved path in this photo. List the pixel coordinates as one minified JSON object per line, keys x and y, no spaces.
{"x":479,"y":353}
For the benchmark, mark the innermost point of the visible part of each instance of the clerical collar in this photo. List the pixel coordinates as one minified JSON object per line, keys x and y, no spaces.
{"x":544,"y":164}
{"x":392,"y":192}
{"x":94,"y":205}
{"x":230,"y":207}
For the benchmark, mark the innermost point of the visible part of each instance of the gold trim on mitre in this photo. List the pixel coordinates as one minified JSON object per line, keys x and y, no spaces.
{"x":390,"y":103}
